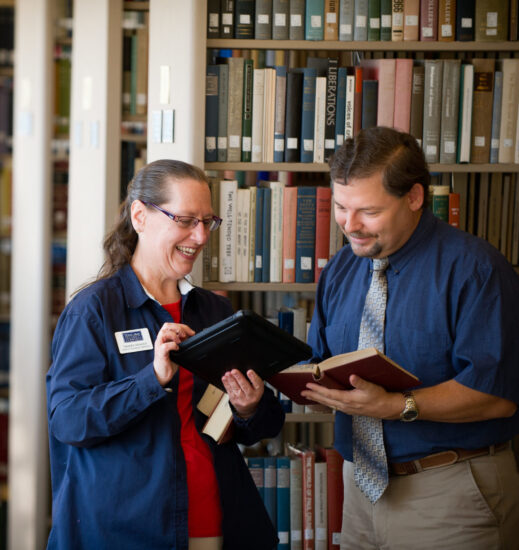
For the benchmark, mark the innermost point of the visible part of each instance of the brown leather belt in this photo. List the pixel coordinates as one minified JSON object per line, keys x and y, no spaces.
{"x":445,"y":458}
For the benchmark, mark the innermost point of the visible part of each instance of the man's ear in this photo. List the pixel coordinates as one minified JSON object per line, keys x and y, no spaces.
{"x":416,"y":197}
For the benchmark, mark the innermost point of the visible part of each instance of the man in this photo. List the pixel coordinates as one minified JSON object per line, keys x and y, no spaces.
{"x":450,"y":316}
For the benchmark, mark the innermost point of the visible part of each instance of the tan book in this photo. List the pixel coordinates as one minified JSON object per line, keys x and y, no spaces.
{"x":482,"y":109}
{"x":411,"y":19}
{"x":219,"y":424}
{"x":397,"y":26}
{"x":234,"y":109}
{"x":289,"y":234}
{"x":491,"y":21}
{"x":509,"y":103}
{"x":331,"y":20}
{"x":446,"y":20}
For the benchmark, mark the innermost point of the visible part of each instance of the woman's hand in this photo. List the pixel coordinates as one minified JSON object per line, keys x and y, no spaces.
{"x":244,"y":392}
{"x":168,"y":339}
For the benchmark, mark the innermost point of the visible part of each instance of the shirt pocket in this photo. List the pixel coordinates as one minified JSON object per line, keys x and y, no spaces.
{"x":341,"y":338}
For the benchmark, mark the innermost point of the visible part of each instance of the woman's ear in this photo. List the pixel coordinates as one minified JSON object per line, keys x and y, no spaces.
{"x":416,"y":197}
{"x":138,"y":215}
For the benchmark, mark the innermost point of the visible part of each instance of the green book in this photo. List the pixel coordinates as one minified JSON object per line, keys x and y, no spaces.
{"x":246,"y":139}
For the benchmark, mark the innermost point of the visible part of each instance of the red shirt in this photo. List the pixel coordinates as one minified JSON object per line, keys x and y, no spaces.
{"x":204,"y":510}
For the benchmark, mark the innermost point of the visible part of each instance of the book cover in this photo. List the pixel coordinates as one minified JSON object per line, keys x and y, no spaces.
{"x":346,"y":19}
{"x":280,"y":19}
{"x":491,"y":20}
{"x":244,"y":19}
{"x":296,"y":29}
{"x":402,"y":95}
{"x":293,"y":111}
{"x":289,"y":234}
{"x":465,"y":111}
{"x":227,"y":252}
{"x":258,"y":249}
{"x":340,"y":111}
{"x":314,"y":19}
{"x":446,"y":20}
{"x":450,"y":99}
{"x":496,"y":116}
{"x":283,"y":501}
{"x":429,"y":20}
{"x":263,"y":20}
{"x":308,"y":115}
{"x":322,"y":228}
{"x":267,"y":212}
{"x":360,"y":22}
{"x":234,"y":108}
{"x":280,"y":114}
{"x":330,"y":108}
{"x":482,"y":102}
{"x":432,"y":109}
{"x":465,"y":20}
{"x":411,"y":19}
{"x":305,"y":234}
{"x":397,"y":26}
{"x":276,"y":232}
{"x":246,"y":143}
{"x":334,"y":373}
{"x":319,"y":119}
{"x":369,"y":103}
{"x":331,"y":20}
{"x":223,"y":99}
{"x":373,"y":20}
{"x":211,"y":112}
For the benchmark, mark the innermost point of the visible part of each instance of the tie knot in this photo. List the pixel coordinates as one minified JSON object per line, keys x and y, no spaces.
{"x":380,"y":264}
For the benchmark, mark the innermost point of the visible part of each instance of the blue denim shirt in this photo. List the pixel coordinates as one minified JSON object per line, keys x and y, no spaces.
{"x":118,"y":472}
{"x":452,"y":313}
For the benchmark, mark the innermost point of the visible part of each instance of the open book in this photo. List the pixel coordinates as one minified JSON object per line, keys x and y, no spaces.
{"x":215,"y":405}
{"x":334,"y":373}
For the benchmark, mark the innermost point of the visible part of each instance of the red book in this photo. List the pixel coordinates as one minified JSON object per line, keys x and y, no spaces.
{"x":429,"y":20}
{"x":454,"y":209}
{"x":289,"y":234}
{"x":308,"y":486}
{"x":334,"y":373}
{"x":403,"y":87}
{"x":334,"y":493}
{"x":357,"y":104}
{"x":322,"y":229}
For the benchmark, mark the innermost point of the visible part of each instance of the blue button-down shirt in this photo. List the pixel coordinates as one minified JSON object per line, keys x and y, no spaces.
{"x":452,"y":313}
{"x":118,"y":472}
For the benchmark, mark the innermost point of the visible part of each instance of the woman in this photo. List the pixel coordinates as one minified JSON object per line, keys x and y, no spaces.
{"x":129,"y":466}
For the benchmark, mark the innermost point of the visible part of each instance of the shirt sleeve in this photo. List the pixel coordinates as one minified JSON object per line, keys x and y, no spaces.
{"x":85,"y":405}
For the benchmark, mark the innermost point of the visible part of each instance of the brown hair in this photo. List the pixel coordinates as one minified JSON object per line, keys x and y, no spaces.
{"x":150,"y":184}
{"x":376,"y":149}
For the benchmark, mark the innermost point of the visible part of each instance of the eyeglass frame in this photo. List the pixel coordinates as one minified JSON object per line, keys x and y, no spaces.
{"x":215,"y":220}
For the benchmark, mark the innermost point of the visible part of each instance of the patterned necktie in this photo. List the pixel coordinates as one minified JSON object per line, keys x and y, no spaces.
{"x":369,"y":455}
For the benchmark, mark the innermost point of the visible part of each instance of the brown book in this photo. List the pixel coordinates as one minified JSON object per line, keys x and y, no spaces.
{"x":331,"y":20}
{"x":322,"y":228}
{"x":334,"y":493}
{"x":482,"y":109}
{"x":417,"y":95}
{"x":491,"y":23}
{"x":454,"y":209}
{"x":411,"y":19}
{"x":446,"y":20}
{"x":428,"y":20}
{"x":215,"y":405}
{"x":289,"y":234}
{"x":334,"y":373}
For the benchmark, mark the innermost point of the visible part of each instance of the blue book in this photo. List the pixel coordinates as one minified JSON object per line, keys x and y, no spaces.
{"x":496,"y":116}
{"x":314,"y":20}
{"x":279,"y":118}
{"x":270,"y":490}
{"x":283,"y":501}
{"x":267,"y":197}
{"x":211,"y":112}
{"x":286,"y":320}
{"x":340,"y":114}
{"x":308,"y":115}
{"x":305,"y":234}
{"x":331,"y":108}
{"x":256,"y":466}
{"x":258,"y":253}
{"x":360,"y":25}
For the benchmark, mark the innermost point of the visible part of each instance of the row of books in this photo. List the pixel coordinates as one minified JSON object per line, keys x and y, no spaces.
{"x":459,"y":112}
{"x":271,"y":233}
{"x":361,"y":20}
{"x":303,"y":494}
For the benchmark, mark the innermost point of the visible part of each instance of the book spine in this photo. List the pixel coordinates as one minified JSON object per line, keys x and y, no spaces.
{"x":346,"y":20}
{"x":258,"y":94}
{"x":319,"y":119}
{"x":267,"y":211}
{"x":296,"y":29}
{"x":227,"y":253}
{"x":417,"y":98}
{"x":246,"y":139}
{"x":276,"y":232}
{"x":283,"y":501}
{"x":482,"y":110}
{"x":357,"y":107}
{"x":223,"y":98}
{"x":446,"y":20}
{"x":411,"y":19}
{"x":314,"y":20}
{"x":308,"y":115}
{"x":293,"y":113}
{"x":211,"y":112}
{"x":296,"y":504}
{"x":374,"y":20}
{"x":465,"y":112}
{"x":432,"y":109}
{"x":402,"y":98}
{"x":386,"y":18}
{"x":214,"y":239}
{"x":360,"y":22}
{"x":330,"y":108}
{"x":235,"y":108}
{"x":213,"y":18}
{"x":340,"y":115}
{"x":258,"y":252}
{"x":256,"y":466}
{"x":454,"y":209}
{"x":491,"y":20}
{"x":334,"y":495}
{"x":386,"y":92}
{"x":510,"y":68}
{"x":331,"y":20}
{"x":227,"y":19}
{"x":305,"y":234}
{"x":369,"y":103}
{"x":280,"y":19}
{"x":322,"y":228}
{"x":429,"y":20}
{"x":263,"y":20}
{"x":289,"y":234}
{"x":280,"y":114}
{"x":320,"y":506}
{"x":252,"y":233}
{"x":440,"y":201}
{"x":449,"y":111}
{"x":308,"y":491}
{"x":465,"y":20}
{"x":270,"y":496}
{"x":244,"y":19}
{"x":397,"y":27}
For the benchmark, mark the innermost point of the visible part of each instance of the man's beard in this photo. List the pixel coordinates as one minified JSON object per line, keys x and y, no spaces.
{"x":362,"y":252}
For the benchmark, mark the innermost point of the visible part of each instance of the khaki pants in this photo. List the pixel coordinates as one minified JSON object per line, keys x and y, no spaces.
{"x":470,"y":505}
{"x":205,"y":543}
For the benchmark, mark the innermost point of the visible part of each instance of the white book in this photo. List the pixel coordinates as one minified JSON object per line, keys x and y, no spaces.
{"x":350,"y":106}
{"x":252,"y":232}
{"x":242,"y":237}
{"x":227,"y":231}
{"x":276,"y":232}
{"x":269,"y":114}
{"x":509,"y":106}
{"x":296,"y":503}
{"x":258,"y":90}
{"x":466,"y":112}
{"x":319,"y":118}
{"x":320,"y":507}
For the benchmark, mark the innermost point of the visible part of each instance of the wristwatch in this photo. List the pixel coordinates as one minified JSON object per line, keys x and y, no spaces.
{"x":410,"y":411}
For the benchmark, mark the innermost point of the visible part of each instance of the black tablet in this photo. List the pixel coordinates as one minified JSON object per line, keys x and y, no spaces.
{"x":242,"y":341}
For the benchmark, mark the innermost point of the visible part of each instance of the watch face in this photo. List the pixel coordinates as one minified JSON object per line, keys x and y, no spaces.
{"x":409,"y":415}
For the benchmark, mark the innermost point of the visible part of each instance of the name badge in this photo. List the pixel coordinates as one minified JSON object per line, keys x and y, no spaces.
{"x":130,"y":341}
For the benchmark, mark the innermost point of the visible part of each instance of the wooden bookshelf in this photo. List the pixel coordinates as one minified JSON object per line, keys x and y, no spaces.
{"x":262,"y":287}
